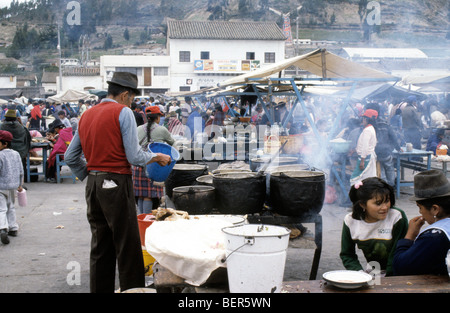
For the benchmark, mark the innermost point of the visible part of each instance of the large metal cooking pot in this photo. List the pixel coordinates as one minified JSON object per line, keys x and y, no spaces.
{"x":257,"y":163}
{"x":206,"y":180}
{"x":240,"y":193}
{"x":184,"y":175}
{"x":194,"y":199}
{"x":297,"y":193}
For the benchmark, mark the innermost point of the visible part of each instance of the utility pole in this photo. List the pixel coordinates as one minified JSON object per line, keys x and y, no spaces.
{"x":60,"y":56}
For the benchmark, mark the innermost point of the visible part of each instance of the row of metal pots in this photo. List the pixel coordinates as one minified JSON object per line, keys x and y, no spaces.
{"x":291,"y":190}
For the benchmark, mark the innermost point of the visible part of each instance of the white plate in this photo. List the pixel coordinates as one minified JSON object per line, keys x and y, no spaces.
{"x":347,"y":279}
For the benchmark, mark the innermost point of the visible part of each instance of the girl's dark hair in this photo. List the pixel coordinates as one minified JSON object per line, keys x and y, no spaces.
{"x":443,"y":202}
{"x":151,"y":120}
{"x":371,"y":187}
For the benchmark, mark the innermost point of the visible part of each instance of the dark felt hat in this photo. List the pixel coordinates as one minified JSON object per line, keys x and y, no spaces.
{"x":430,"y":184}
{"x":125,"y":79}
{"x":56,"y":123}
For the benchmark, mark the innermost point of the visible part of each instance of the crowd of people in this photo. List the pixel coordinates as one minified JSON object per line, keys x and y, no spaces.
{"x":107,"y":144}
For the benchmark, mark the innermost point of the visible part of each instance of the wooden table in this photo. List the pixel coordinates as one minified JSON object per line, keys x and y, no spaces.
{"x":440,"y":165}
{"x":392,"y":284}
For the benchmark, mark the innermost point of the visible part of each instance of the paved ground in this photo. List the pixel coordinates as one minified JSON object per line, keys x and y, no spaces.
{"x":51,"y":252}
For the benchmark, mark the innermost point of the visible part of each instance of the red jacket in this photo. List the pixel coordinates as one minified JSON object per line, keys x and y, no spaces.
{"x":101,"y":139}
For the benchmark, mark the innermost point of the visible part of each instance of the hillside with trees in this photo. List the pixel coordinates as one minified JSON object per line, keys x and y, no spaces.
{"x":30,"y":28}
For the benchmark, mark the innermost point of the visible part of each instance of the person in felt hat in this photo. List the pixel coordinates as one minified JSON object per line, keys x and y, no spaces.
{"x":424,"y":251}
{"x":60,"y":141}
{"x":21,"y":135}
{"x":107,"y":138}
{"x":11,"y":179}
{"x":148,"y":194}
{"x":365,"y":148}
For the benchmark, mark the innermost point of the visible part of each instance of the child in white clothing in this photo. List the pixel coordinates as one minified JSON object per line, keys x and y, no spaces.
{"x":11,"y":179}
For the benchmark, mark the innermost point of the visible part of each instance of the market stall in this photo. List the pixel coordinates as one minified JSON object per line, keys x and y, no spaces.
{"x":265,"y":192}
{"x":340,"y":74}
{"x":71,"y":95}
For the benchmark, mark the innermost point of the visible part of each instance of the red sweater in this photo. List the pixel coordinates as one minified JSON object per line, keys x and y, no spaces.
{"x":101,"y":139}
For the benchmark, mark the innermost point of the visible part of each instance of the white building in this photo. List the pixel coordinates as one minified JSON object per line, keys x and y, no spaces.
{"x":152,"y":71}
{"x":79,"y":78}
{"x":203,"y":54}
{"x":8,"y":81}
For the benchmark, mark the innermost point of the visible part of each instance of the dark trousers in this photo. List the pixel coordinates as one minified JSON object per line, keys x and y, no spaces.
{"x":112,"y":217}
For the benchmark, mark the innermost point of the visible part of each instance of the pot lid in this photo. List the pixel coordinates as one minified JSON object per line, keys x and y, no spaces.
{"x":189,"y":167}
{"x":195,"y":189}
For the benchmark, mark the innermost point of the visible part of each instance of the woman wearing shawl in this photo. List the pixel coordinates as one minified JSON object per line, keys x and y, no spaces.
{"x":174,"y":125}
{"x":35,"y":117}
{"x":60,"y":146}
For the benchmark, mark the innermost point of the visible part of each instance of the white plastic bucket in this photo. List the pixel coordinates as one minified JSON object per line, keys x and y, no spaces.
{"x":255,"y":257}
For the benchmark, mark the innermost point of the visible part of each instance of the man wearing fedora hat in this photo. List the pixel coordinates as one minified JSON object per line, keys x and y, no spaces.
{"x":424,"y":251}
{"x":107,"y":137}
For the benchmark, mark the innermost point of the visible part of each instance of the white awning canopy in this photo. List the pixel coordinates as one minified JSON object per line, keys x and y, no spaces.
{"x":71,"y":96}
{"x":318,"y":62}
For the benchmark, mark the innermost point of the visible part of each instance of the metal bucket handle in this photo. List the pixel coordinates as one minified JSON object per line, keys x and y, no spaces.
{"x":248,"y":240}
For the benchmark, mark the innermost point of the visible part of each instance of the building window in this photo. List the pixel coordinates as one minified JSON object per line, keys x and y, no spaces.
{"x":204,"y":55}
{"x":135,"y":70}
{"x":269,"y":57}
{"x":185,"y":56}
{"x":250,"y":56}
{"x":185,"y":88}
{"x":161,"y":71}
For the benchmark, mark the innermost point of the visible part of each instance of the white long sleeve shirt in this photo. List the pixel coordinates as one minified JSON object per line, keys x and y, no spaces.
{"x":366,"y":142}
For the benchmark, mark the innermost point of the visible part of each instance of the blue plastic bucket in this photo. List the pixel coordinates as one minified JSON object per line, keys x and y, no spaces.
{"x":157,"y":172}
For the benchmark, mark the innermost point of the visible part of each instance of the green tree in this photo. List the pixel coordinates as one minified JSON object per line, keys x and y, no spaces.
{"x":108,"y":42}
{"x":126,"y":34}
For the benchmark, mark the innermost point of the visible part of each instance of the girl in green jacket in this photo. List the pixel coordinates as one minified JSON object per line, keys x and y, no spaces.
{"x":374,"y":226}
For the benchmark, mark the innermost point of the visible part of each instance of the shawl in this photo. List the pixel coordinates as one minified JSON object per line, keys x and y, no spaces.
{"x":36,"y":112}
{"x":60,"y":147}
